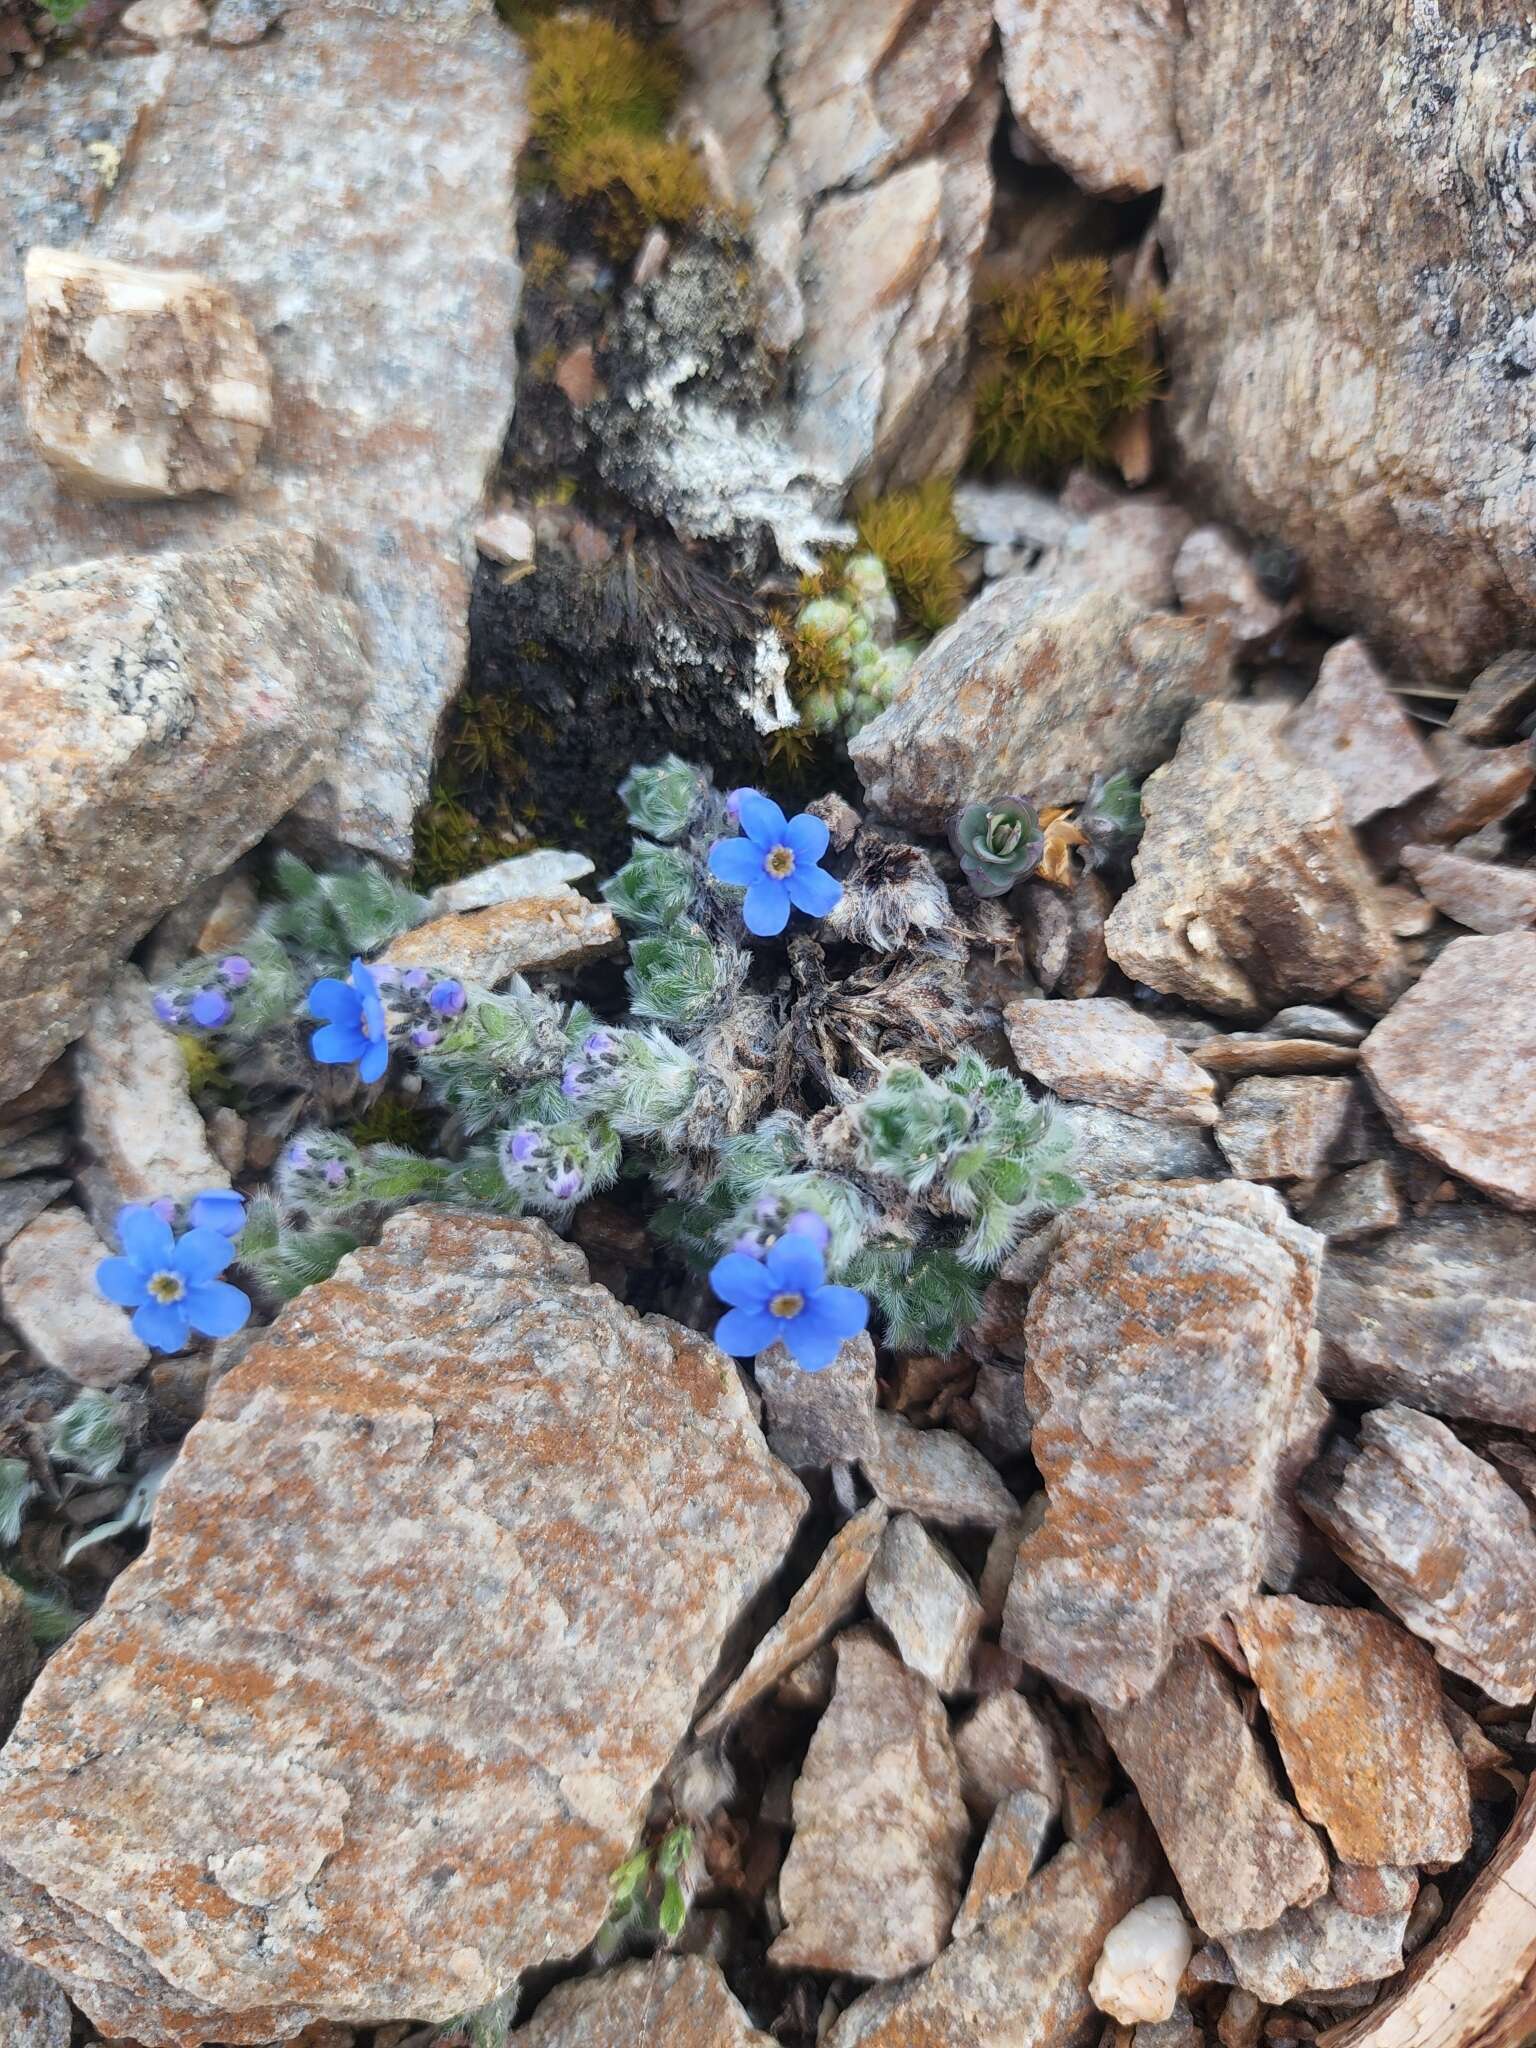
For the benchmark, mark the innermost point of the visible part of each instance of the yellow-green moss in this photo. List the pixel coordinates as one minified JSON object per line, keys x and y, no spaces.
{"x":488,"y":732}
{"x":642,"y":180}
{"x":1064,"y":361}
{"x":450,"y":841}
{"x":546,"y":261}
{"x":204,"y":1068}
{"x":588,"y":79}
{"x":919,"y":542}
{"x":814,"y":663}
{"x":393,"y":1120}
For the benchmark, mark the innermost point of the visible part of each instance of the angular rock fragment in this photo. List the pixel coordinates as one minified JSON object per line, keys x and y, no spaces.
{"x":926,"y":1603}
{"x":816,"y":1419}
{"x":1441,"y":1539}
{"x":34,"y":2012}
{"x":1136,"y":1978}
{"x":1241,"y":1852}
{"x":871,"y":1883}
{"x":1477,"y":787}
{"x":1441,"y":1315}
{"x":1215,"y":579}
{"x":49,"y":1295}
{"x":680,"y":2000}
{"x":541,"y":873}
{"x":1104,"y":1052}
{"x":1064,"y":935}
{"x":1091,"y":84}
{"x":1499,"y":701}
{"x":1326,"y":1946}
{"x":142,"y":1135}
{"x":934,"y":1474}
{"x":1317,"y":1020}
{"x":528,"y":1519}
{"x":1355,"y":1705}
{"x":1250,"y":890}
{"x":1111,"y":1150}
{"x":1354,"y":1207}
{"x":1027,"y":689}
{"x":1021,"y":1979}
{"x":1169,"y":1362}
{"x":815,"y":1613}
{"x":1288,"y":1127}
{"x":139,"y":383}
{"x":1483,"y":895}
{"x":522,"y":936}
{"x":1454,"y":1065}
{"x":1235,"y":1053}
{"x":1008,"y":1857}
{"x":1004,"y":1747}
{"x":1356,"y":732}
{"x":157,"y":715}
{"x":22,"y":1199}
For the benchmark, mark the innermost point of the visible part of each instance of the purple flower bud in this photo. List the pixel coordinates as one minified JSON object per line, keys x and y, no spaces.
{"x":448,"y":998}
{"x":522,"y":1145}
{"x":167,"y":1009}
{"x":236,"y":970}
{"x":806,"y":1223}
{"x":414,"y":978}
{"x":766,"y":1208}
{"x":297,"y":1156}
{"x":165,"y":1209}
{"x":572,"y":1084}
{"x":335,"y":1173}
{"x":750,"y":1243}
{"x":211,"y":1008}
{"x":566,"y":1186}
{"x":597,"y":1044}
{"x":424,"y":1037}
{"x":733,"y":802}
{"x":384,"y":975}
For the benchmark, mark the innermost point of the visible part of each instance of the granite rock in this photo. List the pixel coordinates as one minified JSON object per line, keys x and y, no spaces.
{"x":1232,"y":1054}
{"x":871,"y":1883}
{"x":476,"y":1453}
{"x":21,"y":1199}
{"x":541,"y":873}
{"x":1112,"y":1150}
{"x":1215,"y":578}
{"x":1328,"y":1945}
{"x":926,"y":1604}
{"x":525,"y":935}
{"x":1091,"y":85}
{"x":680,"y":2000}
{"x":34,"y":2012}
{"x":1441,"y":1539}
{"x":157,"y":715}
{"x":1029,"y":688}
{"x":1483,"y":895}
{"x":936,"y":1475}
{"x":1241,"y":1852}
{"x":383,"y":118}
{"x":816,"y":1419}
{"x":1441,"y":1315}
{"x":1353,"y":1207}
{"x":1355,"y":1705}
{"x":1020,"y":1980}
{"x":1008,"y":1858}
{"x":1454,"y":1065}
{"x":1286,"y":1127}
{"x":1250,"y":890}
{"x":1478,"y":787}
{"x":1170,"y":1359}
{"x":49,"y":1296}
{"x":1064,"y":934}
{"x":1352,"y":729}
{"x":1350,"y":377}
{"x":139,"y":383}
{"x":1103,"y":1051}
{"x":1004,"y":1747}
{"x":1498,"y":702}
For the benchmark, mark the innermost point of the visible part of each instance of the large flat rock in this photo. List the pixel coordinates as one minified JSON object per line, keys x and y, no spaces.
{"x":430,"y":1597}
{"x":350,"y":178}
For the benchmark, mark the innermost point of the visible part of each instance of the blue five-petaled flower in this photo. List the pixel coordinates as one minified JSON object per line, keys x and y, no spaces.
{"x":775,"y":862}
{"x":784,"y":1298}
{"x":172,"y":1283}
{"x":355,"y":1026}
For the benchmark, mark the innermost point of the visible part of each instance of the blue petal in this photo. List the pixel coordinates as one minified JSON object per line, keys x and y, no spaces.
{"x":766,"y":910}
{"x":219,"y":1209}
{"x":807,"y":839}
{"x":337,"y":1045}
{"x":363,"y":981}
{"x":201,"y":1255}
{"x":841,"y":1310}
{"x":740,"y":1281}
{"x":736,"y":861}
{"x":762,"y":820}
{"x":811,"y":1347}
{"x":374,"y":1060}
{"x":794,"y":1265}
{"x":121,"y":1281}
{"x":814,"y":891}
{"x":746,"y":1331}
{"x":333,"y":1001}
{"x":162,"y":1325}
{"x":218,"y":1309}
{"x":146,"y":1239}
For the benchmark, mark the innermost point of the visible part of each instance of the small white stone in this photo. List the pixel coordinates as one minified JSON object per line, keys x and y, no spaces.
{"x":506,"y":537}
{"x":1137,"y":1975}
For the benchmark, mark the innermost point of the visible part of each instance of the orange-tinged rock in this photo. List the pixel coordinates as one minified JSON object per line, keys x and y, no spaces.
{"x":681,"y":2001}
{"x":1355,"y":1704}
{"x":428,"y":1602}
{"x":559,"y":928}
{"x":1170,"y":1357}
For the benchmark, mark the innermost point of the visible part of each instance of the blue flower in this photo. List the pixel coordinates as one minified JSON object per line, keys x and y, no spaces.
{"x":775,"y":862}
{"x":355,"y":1025}
{"x":784,"y":1298}
{"x":211,"y":1008}
{"x":221,"y":1209}
{"x":447,"y":998}
{"x":171,"y":1283}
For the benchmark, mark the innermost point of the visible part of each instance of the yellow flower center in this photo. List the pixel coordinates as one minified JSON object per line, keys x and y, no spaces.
{"x":167,"y":1287}
{"x":780,"y":863}
{"x":786,"y":1306}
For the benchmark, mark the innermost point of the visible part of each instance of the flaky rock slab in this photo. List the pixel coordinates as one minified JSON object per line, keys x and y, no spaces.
{"x":1250,"y":889}
{"x":1327,"y":1946}
{"x":1170,"y":1355}
{"x":937,"y":1475}
{"x":1240,"y":1850}
{"x":1091,"y":84}
{"x":1026,"y":690}
{"x":926,"y":1604}
{"x":1102,"y":1051}
{"x":1483,"y":895}
{"x":1438,"y":1535}
{"x":871,"y":1883}
{"x":1285,"y":1126}
{"x":1355,"y":1704}
{"x":682,"y":2001}
{"x":523,"y":936}
{"x":49,"y":1294}
{"x":1454,"y":1065}
{"x":1352,"y":729}
{"x":430,"y":1595}
{"x":1021,"y":1979}
{"x":157,"y":715}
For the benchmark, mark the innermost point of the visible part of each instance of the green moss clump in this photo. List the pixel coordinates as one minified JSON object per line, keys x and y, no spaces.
{"x":919,"y":542}
{"x":205,"y":1070}
{"x":1064,"y":363}
{"x":642,"y":179}
{"x":393,"y":1120}
{"x":450,"y":841}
